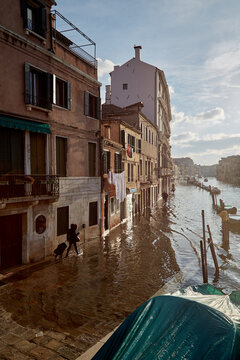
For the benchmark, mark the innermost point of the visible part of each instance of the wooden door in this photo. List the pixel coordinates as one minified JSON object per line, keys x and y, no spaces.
{"x":10,"y":240}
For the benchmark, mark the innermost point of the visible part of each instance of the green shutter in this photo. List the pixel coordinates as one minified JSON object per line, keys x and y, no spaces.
{"x":24,"y":13}
{"x":99,"y":108}
{"x":49,"y":80}
{"x":86,"y":103}
{"x":44,"y":22}
{"x":27,"y":83}
{"x":69,"y":96}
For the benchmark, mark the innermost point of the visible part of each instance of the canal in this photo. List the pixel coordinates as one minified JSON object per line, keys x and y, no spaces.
{"x":92,"y":293}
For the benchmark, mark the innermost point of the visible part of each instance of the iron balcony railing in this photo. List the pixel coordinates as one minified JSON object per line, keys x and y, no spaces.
{"x":13,"y":186}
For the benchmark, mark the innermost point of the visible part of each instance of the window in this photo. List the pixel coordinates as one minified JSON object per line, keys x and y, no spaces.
{"x":106,"y":162}
{"x":11,"y":151}
{"x":141,"y":128}
{"x":62,"y":220}
{"x":117,"y":163}
{"x":38,"y":87}
{"x":146,"y":167}
{"x":62,"y":93}
{"x":34,"y":16}
{"x":130,"y":172}
{"x":112,"y":205}
{"x":141,"y":167}
{"x":93,"y":213}
{"x":131,"y":141}
{"x":61,"y":156}
{"x":92,"y":159}
{"x":139,"y":146}
{"x":125,"y":86}
{"x":146,"y":134}
{"x":92,"y":105}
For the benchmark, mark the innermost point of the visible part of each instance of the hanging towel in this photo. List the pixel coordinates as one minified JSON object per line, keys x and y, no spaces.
{"x":120,"y":184}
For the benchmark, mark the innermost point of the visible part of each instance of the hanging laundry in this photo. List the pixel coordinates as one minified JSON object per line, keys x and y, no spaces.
{"x":120,"y":185}
{"x":110,"y":177}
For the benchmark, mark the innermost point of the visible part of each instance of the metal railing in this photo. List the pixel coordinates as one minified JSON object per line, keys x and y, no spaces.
{"x":13,"y":186}
{"x":61,"y":26}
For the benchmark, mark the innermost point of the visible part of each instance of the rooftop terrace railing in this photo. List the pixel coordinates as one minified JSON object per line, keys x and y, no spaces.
{"x":61,"y":26}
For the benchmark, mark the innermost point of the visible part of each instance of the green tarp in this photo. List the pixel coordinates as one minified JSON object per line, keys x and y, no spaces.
{"x":179,"y":327}
{"x":21,"y":124}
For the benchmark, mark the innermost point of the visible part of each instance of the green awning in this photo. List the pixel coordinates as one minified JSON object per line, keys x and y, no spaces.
{"x":14,"y":123}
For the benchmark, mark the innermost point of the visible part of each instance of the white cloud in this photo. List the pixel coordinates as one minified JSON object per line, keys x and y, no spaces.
{"x":207,"y":118}
{"x":104,"y":67}
{"x":171,"y":90}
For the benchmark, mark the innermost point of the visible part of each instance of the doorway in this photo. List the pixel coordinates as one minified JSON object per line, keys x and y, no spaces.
{"x":106,"y":213}
{"x":10,"y":240}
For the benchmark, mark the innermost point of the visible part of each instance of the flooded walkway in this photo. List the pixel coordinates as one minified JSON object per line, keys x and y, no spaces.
{"x":74,"y":302}
{"x":87,"y":296}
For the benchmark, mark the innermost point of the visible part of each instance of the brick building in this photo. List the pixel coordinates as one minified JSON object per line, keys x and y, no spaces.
{"x":49,"y":132}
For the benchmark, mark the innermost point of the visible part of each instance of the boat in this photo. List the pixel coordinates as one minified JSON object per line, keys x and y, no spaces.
{"x":234,"y":219}
{"x":229,"y":208}
{"x":199,"y":322}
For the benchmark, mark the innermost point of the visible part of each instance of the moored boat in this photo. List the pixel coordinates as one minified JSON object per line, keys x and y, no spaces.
{"x":196,"y":323}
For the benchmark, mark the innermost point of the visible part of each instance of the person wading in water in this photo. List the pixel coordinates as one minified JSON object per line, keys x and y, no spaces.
{"x":72,"y":238}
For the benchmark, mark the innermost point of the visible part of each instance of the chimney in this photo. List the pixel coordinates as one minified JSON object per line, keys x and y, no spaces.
{"x":108,"y":94}
{"x":137,"y":51}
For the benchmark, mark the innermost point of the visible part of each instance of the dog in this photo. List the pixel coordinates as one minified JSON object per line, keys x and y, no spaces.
{"x":60,"y":250}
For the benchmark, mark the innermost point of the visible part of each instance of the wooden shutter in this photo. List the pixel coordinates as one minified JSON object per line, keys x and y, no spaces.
{"x":61,"y":156}
{"x":69,"y":96}
{"x":38,"y":151}
{"x":92,"y":159}
{"x":43,"y":22}
{"x":11,"y":151}
{"x":139,"y":146}
{"x":122,"y":140}
{"x":98,"y":108}
{"x":86,"y":103}
{"x":24,"y":13}
{"x":108,"y":161}
{"x":49,"y":80}
{"x":116,"y":163}
{"x":27,"y":83}
{"x":104,"y":162}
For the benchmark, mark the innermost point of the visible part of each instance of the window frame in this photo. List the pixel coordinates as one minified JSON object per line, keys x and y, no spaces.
{"x":67,"y":93}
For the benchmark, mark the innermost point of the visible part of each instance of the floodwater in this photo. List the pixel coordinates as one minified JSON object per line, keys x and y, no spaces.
{"x":185,"y":209}
{"x":98,"y":289}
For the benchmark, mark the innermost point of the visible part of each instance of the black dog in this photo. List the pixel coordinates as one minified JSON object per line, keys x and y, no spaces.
{"x":60,"y":250}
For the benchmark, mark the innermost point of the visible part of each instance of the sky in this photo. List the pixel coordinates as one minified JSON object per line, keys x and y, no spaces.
{"x":197,"y":45}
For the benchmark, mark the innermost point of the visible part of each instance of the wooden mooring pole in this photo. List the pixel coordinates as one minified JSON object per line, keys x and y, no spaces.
{"x":204,"y":247}
{"x":210,"y":241}
{"x":203,"y":263}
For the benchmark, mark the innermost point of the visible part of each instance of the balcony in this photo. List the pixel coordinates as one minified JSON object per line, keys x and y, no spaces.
{"x":16,"y":186}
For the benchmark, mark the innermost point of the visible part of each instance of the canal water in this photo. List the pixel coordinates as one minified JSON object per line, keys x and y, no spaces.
{"x":184,"y":212}
{"x":92,"y":293}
